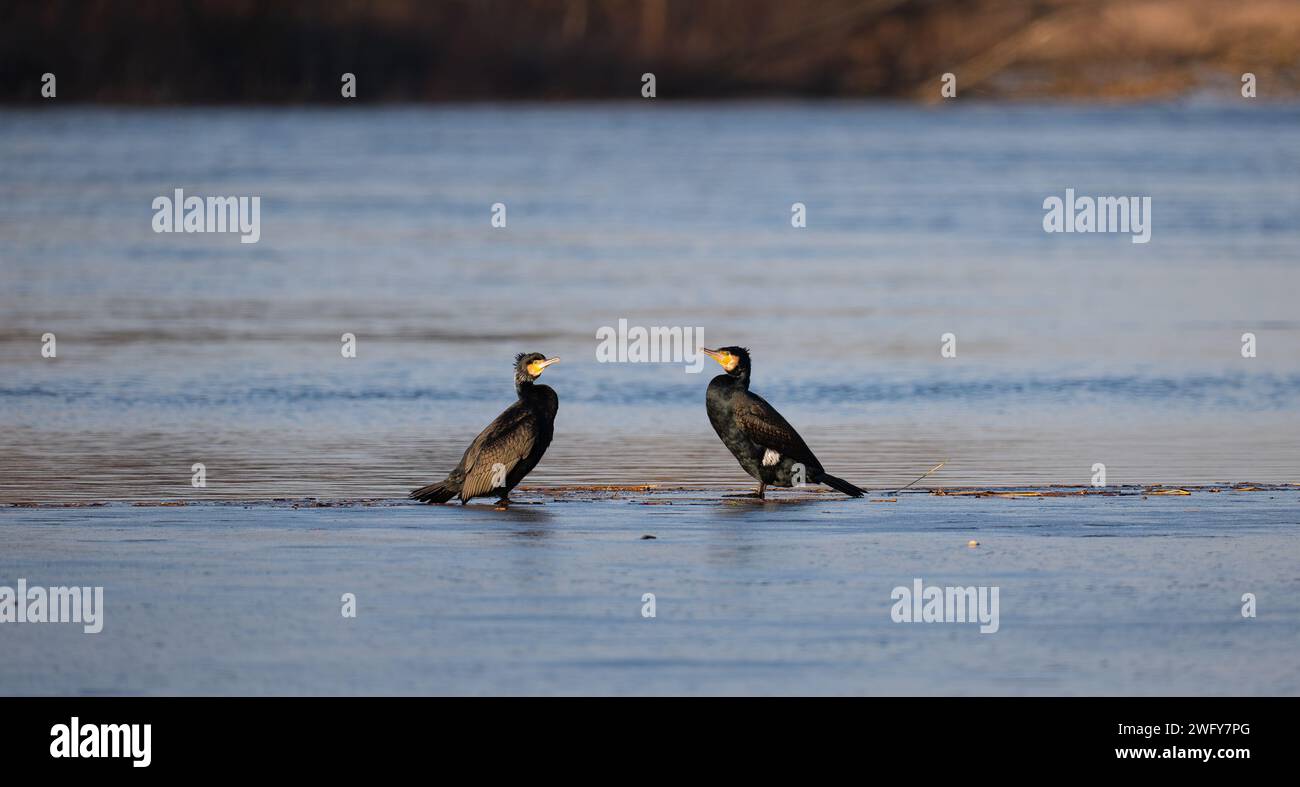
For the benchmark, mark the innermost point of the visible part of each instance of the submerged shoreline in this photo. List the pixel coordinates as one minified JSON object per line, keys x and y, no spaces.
{"x":1099,"y":595}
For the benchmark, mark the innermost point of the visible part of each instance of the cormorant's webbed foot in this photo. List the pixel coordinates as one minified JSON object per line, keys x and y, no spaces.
{"x":756,"y":494}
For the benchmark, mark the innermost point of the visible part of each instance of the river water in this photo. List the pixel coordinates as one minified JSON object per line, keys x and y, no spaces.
{"x":1071,"y":350}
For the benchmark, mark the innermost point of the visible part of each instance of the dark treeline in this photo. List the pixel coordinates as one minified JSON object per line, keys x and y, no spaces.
{"x":171,"y":51}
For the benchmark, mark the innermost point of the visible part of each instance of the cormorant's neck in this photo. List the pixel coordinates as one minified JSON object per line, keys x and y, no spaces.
{"x":741,"y":378}
{"x":523,"y":387}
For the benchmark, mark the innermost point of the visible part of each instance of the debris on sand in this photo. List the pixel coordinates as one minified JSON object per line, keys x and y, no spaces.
{"x":675,"y":495}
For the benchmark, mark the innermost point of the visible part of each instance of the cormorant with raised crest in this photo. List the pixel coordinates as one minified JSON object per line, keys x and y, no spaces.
{"x":510,"y":447}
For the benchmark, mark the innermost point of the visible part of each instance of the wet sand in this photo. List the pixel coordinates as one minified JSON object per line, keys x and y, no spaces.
{"x":1128,"y":592}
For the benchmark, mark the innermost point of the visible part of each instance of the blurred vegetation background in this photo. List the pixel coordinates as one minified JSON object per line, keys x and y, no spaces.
{"x":165,"y":51}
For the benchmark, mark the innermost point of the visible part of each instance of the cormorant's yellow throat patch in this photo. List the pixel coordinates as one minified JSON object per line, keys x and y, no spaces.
{"x":535,"y":367}
{"x":726,"y":359}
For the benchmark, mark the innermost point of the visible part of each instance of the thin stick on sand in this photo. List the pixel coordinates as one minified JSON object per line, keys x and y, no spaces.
{"x":923,"y":475}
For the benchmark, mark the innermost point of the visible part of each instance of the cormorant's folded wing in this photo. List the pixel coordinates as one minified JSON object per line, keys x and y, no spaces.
{"x":762,"y":424}
{"x":497,"y":449}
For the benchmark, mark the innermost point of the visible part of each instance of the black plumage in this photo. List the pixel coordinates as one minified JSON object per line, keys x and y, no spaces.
{"x":510,"y":447}
{"x":765,"y":444}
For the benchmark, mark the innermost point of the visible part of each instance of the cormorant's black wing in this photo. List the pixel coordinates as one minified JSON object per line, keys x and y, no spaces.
{"x":762,"y":424}
{"x":505,"y":441}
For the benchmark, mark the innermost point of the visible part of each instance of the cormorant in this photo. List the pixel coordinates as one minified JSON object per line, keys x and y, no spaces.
{"x":764,"y":443}
{"x":510,"y":447}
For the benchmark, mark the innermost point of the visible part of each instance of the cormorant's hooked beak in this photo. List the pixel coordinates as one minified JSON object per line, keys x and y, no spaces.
{"x":725,"y":359}
{"x":535,"y":368}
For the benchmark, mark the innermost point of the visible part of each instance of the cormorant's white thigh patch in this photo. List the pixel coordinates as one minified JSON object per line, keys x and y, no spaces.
{"x":770,"y":457}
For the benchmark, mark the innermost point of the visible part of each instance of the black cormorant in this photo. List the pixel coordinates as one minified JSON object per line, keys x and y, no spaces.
{"x":764,"y":443}
{"x":509,"y":447}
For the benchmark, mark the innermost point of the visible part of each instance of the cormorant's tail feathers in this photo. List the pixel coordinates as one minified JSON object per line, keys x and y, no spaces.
{"x":440,"y":492}
{"x":839,"y":484}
